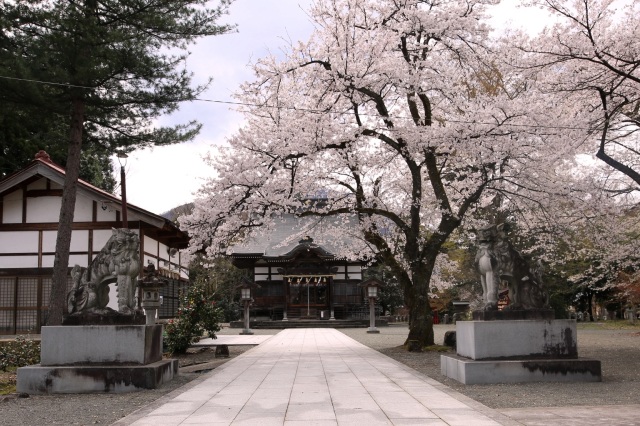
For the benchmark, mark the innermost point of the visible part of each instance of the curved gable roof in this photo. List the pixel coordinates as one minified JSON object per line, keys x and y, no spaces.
{"x":42,"y":166}
{"x":282,"y":238}
{"x":306,"y":245}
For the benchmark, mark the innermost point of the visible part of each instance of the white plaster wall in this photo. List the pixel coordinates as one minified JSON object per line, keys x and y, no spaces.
{"x":12,"y":207}
{"x":164,"y":254}
{"x":84,"y":209}
{"x":18,"y":262}
{"x":79,"y":241}
{"x":43,"y":209}
{"x":19,"y":242}
{"x":47,"y":261}
{"x":113,"y":297}
{"x":100,"y":238}
{"x":49,"y":241}
{"x":106,"y":212}
{"x":76,"y":259}
{"x":150,"y":246}
{"x":47,"y":209}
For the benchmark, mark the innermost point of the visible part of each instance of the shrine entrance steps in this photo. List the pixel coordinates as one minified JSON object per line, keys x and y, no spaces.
{"x":301,"y":323}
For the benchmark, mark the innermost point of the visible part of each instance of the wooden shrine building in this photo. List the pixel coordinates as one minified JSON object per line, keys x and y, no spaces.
{"x":301,"y":279}
{"x":29,"y":210}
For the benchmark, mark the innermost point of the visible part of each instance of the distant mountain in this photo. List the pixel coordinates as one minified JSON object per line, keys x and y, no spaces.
{"x":176,"y":212}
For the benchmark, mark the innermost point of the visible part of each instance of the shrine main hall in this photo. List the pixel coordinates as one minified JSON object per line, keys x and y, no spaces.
{"x":300,"y":279}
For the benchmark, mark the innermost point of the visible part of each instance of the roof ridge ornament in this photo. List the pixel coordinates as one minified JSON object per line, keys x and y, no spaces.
{"x":43,"y":156}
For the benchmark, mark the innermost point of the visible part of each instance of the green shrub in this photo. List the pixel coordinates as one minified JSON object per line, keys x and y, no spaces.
{"x":231,"y":309}
{"x":18,"y":353}
{"x":198,"y":314}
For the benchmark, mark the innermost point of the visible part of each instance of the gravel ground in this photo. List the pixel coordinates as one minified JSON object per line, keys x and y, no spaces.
{"x":99,"y":409}
{"x":618,"y":350}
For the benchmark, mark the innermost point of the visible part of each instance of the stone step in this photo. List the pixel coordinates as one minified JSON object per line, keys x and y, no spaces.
{"x":295,"y":323}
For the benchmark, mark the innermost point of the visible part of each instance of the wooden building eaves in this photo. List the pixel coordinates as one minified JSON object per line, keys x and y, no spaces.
{"x":42,"y":167}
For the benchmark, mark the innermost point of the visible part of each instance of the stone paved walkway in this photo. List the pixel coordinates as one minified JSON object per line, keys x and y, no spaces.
{"x":232,"y":340}
{"x":315,"y":377}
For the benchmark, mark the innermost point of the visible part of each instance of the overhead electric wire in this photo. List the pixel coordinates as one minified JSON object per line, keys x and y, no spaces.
{"x":293,"y":108}
{"x":52,"y":83}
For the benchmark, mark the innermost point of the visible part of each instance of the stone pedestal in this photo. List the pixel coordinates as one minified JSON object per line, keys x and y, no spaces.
{"x":508,"y":339}
{"x":114,"y":318}
{"x":514,"y":314}
{"x":99,"y":345}
{"x":92,"y":358}
{"x":518,"y":351}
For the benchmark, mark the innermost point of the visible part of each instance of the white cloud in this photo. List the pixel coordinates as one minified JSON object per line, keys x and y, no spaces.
{"x":164,"y":177}
{"x":161,"y":178}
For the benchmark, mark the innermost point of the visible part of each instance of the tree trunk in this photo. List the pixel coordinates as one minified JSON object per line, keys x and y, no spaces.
{"x":420,"y":324}
{"x":67,"y":209}
{"x":420,"y":318}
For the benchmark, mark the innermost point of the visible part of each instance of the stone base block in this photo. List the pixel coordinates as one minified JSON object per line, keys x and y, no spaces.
{"x":517,"y":339}
{"x":512,"y":315}
{"x":114,"y":318}
{"x":101,"y":345}
{"x":38,"y":379}
{"x":470,"y":372}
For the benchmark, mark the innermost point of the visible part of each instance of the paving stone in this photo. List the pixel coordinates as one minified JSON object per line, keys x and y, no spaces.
{"x":317,"y":377}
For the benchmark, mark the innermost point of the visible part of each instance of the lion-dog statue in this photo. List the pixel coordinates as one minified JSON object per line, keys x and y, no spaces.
{"x":496,"y":261}
{"x":118,"y":262}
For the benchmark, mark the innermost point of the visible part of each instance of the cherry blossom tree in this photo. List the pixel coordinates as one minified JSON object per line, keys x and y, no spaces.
{"x":586,"y":66}
{"x":400,"y":116}
{"x":590,"y":58}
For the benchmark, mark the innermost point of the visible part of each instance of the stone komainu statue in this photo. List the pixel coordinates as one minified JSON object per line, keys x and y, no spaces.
{"x":497,"y":260}
{"x":487,"y":265}
{"x":118,"y":262}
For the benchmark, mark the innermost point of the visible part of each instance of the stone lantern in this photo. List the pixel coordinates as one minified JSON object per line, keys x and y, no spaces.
{"x":371,"y":287}
{"x":245,"y":296}
{"x":151,"y":284}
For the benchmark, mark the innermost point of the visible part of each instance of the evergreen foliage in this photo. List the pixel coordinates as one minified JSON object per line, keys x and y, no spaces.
{"x":19,"y":353}
{"x":198,"y":314}
{"x":109,"y":69}
{"x":220,"y":279}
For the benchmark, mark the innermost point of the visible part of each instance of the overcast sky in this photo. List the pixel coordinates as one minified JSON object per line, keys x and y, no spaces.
{"x":163,"y":178}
